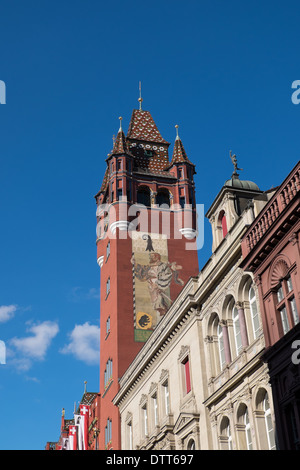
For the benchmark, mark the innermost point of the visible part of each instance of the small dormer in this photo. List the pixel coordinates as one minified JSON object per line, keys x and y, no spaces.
{"x":234,"y":197}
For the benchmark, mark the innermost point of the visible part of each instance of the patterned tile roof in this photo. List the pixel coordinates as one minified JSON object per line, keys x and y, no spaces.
{"x":88,"y":398}
{"x":120,"y":144}
{"x":147,"y":144}
{"x":105,"y":180}
{"x":179,"y":153}
{"x":142,"y":127}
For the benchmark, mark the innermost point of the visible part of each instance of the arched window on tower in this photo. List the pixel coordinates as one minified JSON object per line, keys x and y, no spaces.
{"x":223,"y":223}
{"x":143,"y":196}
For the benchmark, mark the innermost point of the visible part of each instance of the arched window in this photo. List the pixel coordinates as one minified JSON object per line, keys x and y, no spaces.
{"x":191,"y":445}
{"x":163,"y":197}
{"x":221,"y":346}
{"x":225,"y":431}
{"x":268,"y":423}
{"x":247,"y":430}
{"x":286,"y":304}
{"x":223,"y":223}
{"x":237,"y":330}
{"x":143,"y":196}
{"x":254,"y":313}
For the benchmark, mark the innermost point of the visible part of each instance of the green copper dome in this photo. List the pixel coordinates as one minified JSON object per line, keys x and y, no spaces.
{"x":235,"y":182}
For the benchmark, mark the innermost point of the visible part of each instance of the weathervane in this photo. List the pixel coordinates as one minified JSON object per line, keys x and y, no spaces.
{"x":234,"y":161}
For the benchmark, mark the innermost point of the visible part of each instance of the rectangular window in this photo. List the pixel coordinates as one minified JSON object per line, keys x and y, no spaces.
{"x":289,"y":284}
{"x":284,"y":320}
{"x":187,"y":377}
{"x":108,"y":432}
{"x":166,"y":397}
{"x":294,"y":311}
{"x":129,"y":433}
{"x":155,"y":409}
{"x":108,"y":373}
{"x":107,"y":249}
{"x":145,"y":419}
{"x":280,"y":294}
{"x":108,"y":286}
{"x":108,"y":325}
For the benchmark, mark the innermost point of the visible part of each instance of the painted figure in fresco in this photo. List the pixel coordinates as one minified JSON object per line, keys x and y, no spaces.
{"x":158,"y":275}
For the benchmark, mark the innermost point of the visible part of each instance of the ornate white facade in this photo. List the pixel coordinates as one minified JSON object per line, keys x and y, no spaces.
{"x":199,"y":381}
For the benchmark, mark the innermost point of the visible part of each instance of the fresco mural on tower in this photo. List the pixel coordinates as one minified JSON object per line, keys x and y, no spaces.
{"x":153,"y":274}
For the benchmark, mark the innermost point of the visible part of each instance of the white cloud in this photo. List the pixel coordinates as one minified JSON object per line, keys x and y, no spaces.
{"x":84,"y":343}
{"x":7,"y":312}
{"x":36,"y":345}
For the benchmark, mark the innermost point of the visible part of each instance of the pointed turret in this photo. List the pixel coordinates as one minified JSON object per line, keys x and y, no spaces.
{"x":120,"y":145}
{"x":179,"y":153}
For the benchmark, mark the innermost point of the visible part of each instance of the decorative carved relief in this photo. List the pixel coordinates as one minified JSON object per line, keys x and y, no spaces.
{"x":279,"y":271}
{"x":183,"y":351}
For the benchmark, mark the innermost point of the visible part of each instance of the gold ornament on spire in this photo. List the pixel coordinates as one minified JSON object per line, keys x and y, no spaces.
{"x":140,"y":98}
{"x":120,"y":118}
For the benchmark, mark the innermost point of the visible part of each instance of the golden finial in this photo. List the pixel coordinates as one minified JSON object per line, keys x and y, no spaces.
{"x":177,"y":135}
{"x":120,"y":118}
{"x":140,"y":98}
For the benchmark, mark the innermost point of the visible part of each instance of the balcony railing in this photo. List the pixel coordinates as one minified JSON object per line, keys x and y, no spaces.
{"x":277,"y":204}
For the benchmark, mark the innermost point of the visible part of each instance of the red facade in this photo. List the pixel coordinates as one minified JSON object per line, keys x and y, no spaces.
{"x":270,"y":250}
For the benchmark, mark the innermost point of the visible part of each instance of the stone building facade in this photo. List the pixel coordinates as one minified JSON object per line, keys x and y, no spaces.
{"x":271,"y":252}
{"x":199,"y":381}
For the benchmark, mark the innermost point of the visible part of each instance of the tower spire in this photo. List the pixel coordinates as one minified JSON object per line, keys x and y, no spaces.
{"x":140,"y":98}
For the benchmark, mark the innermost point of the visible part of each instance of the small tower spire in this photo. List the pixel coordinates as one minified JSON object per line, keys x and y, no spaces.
{"x":140,"y":98}
{"x":85,"y":382}
{"x":177,"y":135}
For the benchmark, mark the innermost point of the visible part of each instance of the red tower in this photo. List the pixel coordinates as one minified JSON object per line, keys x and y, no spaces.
{"x":146,"y":249}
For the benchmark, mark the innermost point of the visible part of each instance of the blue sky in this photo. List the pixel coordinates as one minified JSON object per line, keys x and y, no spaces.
{"x":220,"y":70}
